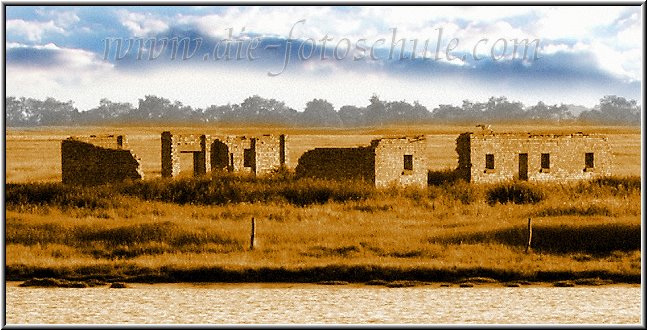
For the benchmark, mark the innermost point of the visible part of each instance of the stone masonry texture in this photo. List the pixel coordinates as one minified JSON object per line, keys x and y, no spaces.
{"x":519,"y":157}
{"x":93,"y":160}
{"x":382,"y":163}
{"x":257,"y":155}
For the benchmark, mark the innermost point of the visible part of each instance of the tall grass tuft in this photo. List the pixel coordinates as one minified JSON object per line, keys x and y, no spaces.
{"x":463,"y":192}
{"x":248,"y":189}
{"x":314,"y":191}
{"x":283,"y":187}
{"x":515,"y":192}
{"x":618,"y":185}
{"x":436,"y":178}
{"x":123,"y":241}
{"x":61,"y":195}
{"x":628,"y":183}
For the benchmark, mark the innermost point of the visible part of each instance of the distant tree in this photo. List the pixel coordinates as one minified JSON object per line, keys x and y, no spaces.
{"x":153,"y":109}
{"x":21,"y":111}
{"x":500,"y":109}
{"x":613,"y":109}
{"x":403,"y":112}
{"x":474,"y":112}
{"x":32,"y":112}
{"x":107,"y":112}
{"x":420,"y":112}
{"x":17,"y":113}
{"x":319,"y":112}
{"x":256,"y":109}
{"x":376,"y":111}
{"x":541,"y":111}
{"x":352,"y":116}
{"x":447,"y":112}
{"x":54,"y":112}
{"x":219,"y":113}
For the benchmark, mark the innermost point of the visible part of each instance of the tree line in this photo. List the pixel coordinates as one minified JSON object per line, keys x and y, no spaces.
{"x":256,"y":110}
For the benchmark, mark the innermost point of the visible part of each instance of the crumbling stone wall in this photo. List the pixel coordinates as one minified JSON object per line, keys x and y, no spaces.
{"x":463,"y":149}
{"x":495,"y":157}
{"x":400,"y":162}
{"x":270,"y":153}
{"x":240,"y":153}
{"x":173,"y":145}
{"x":257,"y":155}
{"x":338,"y":164}
{"x":386,"y":162}
{"x":93,"y":160}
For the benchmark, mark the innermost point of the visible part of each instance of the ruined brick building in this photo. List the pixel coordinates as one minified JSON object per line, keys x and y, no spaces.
{"x":483,"y":157}
{"x":487,"y":157}
{"x":386,"y":162}
{"x":92,"y":160}
{"x":258,"y":155}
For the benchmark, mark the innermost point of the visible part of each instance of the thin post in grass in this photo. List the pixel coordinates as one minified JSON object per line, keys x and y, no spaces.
{"x":529,"y":235}
{"x":252,"y":235}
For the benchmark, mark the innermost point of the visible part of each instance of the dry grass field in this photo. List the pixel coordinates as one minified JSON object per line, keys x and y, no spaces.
{"x":34,"y":155}
{"x":163,"y":231}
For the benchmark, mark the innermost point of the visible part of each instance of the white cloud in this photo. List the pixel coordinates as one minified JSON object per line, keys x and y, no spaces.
{"x":66,"y":61}
{"x":612,"y":35}
{"x":618,"y":63}
{"x":630,"y":36}
{"x":196,"y":87}
{"x":573,"y":22}
{"x":62,"y":18}
{"x":65,"y":18}
{"x":142,"y":25}
{"x":271,"y":21}
{"x":58,"y":22}
{"x":32,"y":30}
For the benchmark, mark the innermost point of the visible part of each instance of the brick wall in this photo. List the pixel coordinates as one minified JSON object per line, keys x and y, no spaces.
{"x":463,"y":149}
{"x":390,"y":162}
{"x":566,"y":157}
{"x":174,"y":145}
{"x":170,"y":156}
{"x":270,"y":153}
{"x":258,"y":155}
{"x":85,"y":163}
{"x":237,"y":146}
{"x":105,"y":141}
{"x":338,"y":164}
{"x":382,"y":163}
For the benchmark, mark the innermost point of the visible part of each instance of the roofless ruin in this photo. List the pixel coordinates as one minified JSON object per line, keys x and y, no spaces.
{"x":483,"y":157}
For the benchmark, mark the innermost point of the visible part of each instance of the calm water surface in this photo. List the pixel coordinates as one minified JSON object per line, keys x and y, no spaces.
{"x":299,"y":303}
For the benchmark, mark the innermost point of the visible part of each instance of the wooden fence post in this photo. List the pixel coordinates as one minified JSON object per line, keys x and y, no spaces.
{"x":529,"y":235}
{"x":253,"y":234}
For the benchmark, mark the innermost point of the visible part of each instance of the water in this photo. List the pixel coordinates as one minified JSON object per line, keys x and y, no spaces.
{"x":302,"y":303}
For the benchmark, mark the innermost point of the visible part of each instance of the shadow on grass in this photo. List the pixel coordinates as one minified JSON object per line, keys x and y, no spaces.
{"x":599,"y":239}
{"x":347,"y":273}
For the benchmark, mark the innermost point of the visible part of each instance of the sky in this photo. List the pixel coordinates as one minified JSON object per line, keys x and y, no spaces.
{"x":204,"y":55}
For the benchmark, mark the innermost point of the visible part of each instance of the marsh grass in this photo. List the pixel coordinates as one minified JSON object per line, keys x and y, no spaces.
{"x":161,"y":230}
{"x":598,"y":239}
{"x":576,"y":210}
{"x":231,"y":188}
{"x":58,"y":194}
{"x":125,"y":241}
{"x":439,"y":177}
{"x":515,"y":192}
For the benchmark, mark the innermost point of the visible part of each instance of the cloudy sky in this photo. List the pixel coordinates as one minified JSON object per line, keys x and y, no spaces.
{"x":203,"y":55}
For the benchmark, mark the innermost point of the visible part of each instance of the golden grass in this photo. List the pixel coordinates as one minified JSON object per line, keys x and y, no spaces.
{"x":394,"y":235}
{"x":402,"y":232}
